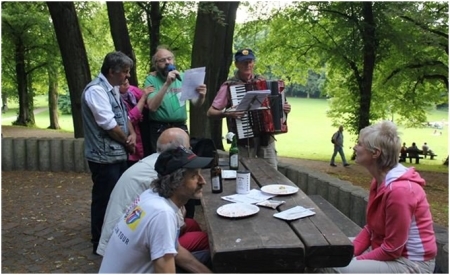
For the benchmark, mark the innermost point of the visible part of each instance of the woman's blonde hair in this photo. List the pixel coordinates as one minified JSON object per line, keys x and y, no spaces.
{"x":382,"y":136}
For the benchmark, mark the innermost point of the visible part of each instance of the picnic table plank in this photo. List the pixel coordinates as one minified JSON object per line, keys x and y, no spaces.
{"x":326,"y":245}
{"x":256,"y":243}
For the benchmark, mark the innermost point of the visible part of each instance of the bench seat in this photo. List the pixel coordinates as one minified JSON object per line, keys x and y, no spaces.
{"x":345,"y":224}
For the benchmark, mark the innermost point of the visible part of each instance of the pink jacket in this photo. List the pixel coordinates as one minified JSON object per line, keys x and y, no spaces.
{"x":399,"y":222}
{"x":135,"y":117}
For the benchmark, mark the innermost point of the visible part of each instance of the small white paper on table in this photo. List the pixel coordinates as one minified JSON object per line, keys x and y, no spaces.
{"x":254,"y":196}
{"x":191,"y":80}
{"x":294,"y":213}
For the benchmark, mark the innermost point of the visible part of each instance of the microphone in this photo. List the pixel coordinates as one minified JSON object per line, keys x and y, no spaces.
{"x":170,"y":68}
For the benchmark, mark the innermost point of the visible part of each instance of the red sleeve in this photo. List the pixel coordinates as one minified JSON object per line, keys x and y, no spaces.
{"x":362,"y":241}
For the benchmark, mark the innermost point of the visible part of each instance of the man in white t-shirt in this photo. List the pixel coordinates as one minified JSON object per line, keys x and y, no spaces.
{"x":146,"y":239}
{"x":136,"y":180}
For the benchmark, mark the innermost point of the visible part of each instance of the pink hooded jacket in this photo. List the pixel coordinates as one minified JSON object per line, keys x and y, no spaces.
{"x":399,"y":222}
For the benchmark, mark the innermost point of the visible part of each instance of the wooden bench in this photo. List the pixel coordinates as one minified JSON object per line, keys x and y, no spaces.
{"x":417,"y":155}
{"x":345,"y":224}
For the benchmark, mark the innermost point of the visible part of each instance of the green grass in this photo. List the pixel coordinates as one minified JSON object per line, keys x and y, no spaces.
{"x":309,"y":132}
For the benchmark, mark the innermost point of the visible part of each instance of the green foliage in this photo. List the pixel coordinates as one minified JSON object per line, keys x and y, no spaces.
{"x":64,"y":104}
{"x":411,"y":69}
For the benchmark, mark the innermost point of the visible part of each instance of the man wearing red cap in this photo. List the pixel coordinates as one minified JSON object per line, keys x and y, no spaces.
{"x":262,"y":146}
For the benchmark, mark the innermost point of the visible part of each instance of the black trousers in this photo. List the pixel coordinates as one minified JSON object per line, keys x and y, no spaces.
{"x":104,"y":177}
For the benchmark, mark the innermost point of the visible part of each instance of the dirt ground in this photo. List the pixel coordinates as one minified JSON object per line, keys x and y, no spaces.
{"x":437,"y":183}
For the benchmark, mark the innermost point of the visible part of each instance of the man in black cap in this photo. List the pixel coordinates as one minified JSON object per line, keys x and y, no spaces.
{"x":146,"y":239}
{"x":262,"y":146}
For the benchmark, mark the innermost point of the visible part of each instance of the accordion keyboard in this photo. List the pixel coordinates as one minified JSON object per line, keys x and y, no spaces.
{"x":243,"y":125}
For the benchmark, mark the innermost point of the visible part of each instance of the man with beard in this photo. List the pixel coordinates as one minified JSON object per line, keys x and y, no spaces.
{"x":166,"y":108}
{"x":145,"y":240}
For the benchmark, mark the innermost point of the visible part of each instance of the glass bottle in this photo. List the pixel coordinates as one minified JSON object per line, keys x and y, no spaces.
{"x":234,"y":154}
{"x":216,"y":175}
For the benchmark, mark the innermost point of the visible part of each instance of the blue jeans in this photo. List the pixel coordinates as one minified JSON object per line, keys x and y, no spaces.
{"x":338,"y":149}
{"x":104,"y":176}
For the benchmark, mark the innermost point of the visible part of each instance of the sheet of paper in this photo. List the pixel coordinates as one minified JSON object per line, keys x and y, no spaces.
{"x":294,"y":213}
{"x":252,"y":100}
{"x":191,"y":80}
{"x":254,"y":196}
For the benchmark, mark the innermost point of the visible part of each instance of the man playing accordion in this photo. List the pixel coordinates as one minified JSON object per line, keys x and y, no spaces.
{"x":261,"y":144}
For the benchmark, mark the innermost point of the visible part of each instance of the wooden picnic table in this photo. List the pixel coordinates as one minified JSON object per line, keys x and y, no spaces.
{"x":262,"y":243}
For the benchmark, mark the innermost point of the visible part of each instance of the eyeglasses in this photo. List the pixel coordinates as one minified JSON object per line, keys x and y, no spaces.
{"x":162,"y":60}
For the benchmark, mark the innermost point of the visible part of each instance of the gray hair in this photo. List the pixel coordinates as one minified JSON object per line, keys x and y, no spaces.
{"x":160,"y":47}
{"x":166,"y":185}
{"x":384,"y":137}
{"x":117,"y":61}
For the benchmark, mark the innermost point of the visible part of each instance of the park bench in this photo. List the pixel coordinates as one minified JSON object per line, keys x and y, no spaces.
{"x":417,"y":155}
{"x":345,"y":224}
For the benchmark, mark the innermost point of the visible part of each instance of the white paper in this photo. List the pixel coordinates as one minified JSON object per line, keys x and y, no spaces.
{"x":254,"y":196}
{"x":252,"y":100}
{"x":294,"y":213}
{"x":191,"y":80}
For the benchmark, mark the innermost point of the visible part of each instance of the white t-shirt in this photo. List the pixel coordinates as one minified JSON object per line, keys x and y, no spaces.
{"x":145,"y":233}
{"x":130,"y":185}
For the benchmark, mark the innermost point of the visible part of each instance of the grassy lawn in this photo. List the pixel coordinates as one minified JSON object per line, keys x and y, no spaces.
{"x":309,"y":131}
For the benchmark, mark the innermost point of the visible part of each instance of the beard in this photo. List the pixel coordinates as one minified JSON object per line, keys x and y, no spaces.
{"x":162,"y":71}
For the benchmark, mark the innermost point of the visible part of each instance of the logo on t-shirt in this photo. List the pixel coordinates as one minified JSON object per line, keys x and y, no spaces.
{"x":134,"y":218}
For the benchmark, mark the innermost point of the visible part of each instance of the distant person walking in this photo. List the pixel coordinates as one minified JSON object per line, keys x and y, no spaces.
{"x":338,"y":142}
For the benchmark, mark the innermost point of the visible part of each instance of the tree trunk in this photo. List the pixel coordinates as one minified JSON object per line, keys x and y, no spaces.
{"x":119,"y":33}
{"x":22,"y":81}
{"x":155,"y":24}
{"x":73,"y":53}
{"x":369,"y":51}
{"x":53,"y":98}
{"x":212,"y":48}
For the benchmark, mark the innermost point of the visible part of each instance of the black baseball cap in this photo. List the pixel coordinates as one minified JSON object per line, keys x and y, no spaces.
{"x":244,"y":55}
{"x":171,"y":160}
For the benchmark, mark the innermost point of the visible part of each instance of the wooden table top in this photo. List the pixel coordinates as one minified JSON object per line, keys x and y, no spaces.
{"x":262,"y":243}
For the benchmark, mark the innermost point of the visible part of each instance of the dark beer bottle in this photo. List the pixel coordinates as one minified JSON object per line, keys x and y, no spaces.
{"x":216,"y":175}
{"x":234,"y":154}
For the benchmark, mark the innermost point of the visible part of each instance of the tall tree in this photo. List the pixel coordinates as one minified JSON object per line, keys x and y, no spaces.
{"x":119,"y":33}
{"x":212,"y":48}
{"x":22,"y":29}
{"x":73,"y":54}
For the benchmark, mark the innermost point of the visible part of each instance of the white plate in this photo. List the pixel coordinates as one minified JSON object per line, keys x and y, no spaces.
{"x":237,"y":210}
{"x":279,"y":189}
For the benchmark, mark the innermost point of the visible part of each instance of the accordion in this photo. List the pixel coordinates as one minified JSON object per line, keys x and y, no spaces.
{"x":270,"y":119}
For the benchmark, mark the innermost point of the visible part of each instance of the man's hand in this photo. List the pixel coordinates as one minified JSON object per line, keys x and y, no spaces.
{"x":201,"y":90}
{"x":235,"y":115}
{"x":287,"y":107}
{"x":130,"y":144}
